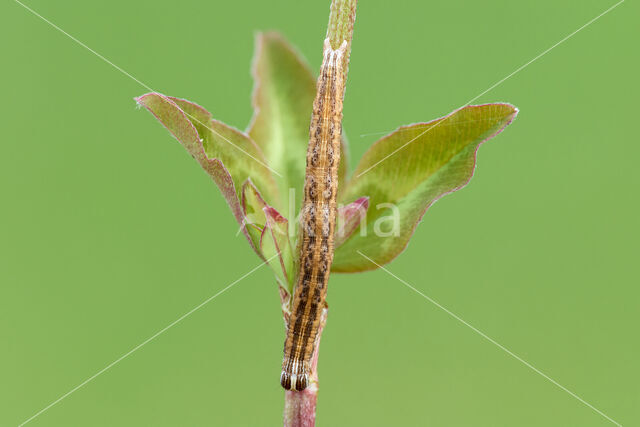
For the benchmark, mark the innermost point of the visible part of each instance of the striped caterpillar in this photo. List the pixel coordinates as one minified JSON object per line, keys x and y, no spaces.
{"x":317,"y":221}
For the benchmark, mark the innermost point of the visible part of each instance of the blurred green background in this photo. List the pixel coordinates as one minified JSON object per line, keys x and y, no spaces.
{"x":109,"y":231}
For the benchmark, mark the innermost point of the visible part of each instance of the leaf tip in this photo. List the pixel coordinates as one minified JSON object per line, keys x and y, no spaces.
{"x":273,"y":214}
{"x":362,"y":202}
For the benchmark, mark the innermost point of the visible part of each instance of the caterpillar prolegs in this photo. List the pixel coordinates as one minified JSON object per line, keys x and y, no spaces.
{"x":317,"y":220}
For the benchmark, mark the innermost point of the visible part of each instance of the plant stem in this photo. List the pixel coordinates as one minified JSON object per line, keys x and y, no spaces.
{"x":340,"y":28}
{"x":300,"y":406}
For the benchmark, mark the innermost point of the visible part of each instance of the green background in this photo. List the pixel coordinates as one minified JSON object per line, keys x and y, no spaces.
{"x":109,"y":231}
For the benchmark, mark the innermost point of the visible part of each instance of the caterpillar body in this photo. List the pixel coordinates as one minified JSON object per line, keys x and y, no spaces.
{"x":317,"y":221}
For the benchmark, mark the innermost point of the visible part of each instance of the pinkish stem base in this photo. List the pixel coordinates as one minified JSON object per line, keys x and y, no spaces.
{"x":300,"y":406}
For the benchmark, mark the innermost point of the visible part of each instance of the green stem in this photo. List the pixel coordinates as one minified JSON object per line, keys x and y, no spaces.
{"x":341,"y":20}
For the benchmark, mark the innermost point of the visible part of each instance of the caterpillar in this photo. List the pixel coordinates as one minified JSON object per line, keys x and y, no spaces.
{"x":318,"y":217}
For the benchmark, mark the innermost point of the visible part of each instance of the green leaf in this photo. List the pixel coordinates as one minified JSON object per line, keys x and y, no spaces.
{"x":226,"y":154}
{"x":407,"y":171}
{"x":252,"y":206}
{"x":283,"y":97}
{"x":349,"y":218}
{"x":234,"y":148}
{"x":269,"y":232}
{"x":275,"y":241}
